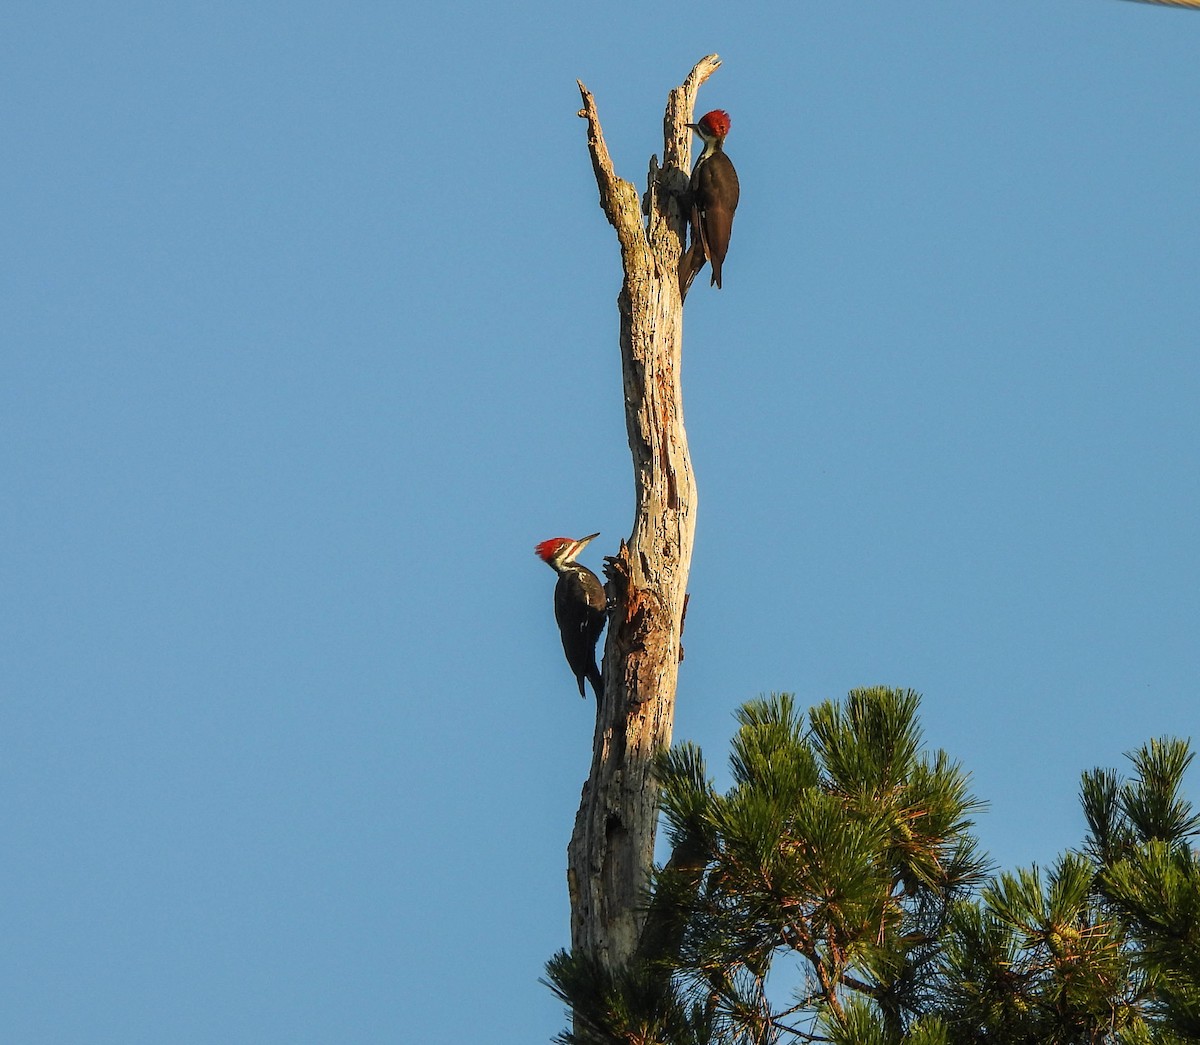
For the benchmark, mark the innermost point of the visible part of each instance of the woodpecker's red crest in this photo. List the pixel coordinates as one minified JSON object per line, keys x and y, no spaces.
{"x":547,"y":549}
{"x":715,"y":124}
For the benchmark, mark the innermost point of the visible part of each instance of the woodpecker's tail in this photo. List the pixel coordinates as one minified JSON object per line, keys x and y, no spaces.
{"x":690,"y":263}
{"x":597,"y":681}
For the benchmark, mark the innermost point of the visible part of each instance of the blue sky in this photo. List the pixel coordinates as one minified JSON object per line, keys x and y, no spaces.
{"x":309,"y":335}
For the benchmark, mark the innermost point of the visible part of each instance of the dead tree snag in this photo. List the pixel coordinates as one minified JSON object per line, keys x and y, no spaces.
{"x":612,"y":847}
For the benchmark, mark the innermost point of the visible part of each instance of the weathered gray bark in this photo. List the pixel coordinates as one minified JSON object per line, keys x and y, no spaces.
{"x":612,"y":847}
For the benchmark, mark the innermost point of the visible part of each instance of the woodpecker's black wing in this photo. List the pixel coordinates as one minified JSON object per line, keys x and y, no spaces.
{"x":579,"y":608}
{"x":715,"y":193}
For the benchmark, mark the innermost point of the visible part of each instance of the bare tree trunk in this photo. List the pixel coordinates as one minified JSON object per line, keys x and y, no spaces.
{"x":612,"y":847}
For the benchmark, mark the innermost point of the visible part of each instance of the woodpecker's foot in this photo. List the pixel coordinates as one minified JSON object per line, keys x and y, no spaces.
{"x":616,"y":578}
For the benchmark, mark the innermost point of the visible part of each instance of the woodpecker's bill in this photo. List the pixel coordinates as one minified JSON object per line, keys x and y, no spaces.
{"x":714,"y":192}
{"x":579,"y":607}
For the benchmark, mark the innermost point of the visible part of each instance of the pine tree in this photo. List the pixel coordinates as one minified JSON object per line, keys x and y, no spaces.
{"x":839,"y":850}
{"x":836,"y":893}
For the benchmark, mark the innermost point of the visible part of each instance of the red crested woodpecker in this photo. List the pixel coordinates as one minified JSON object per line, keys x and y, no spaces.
{"x":579,"y":607}
{"x":714,"y":198}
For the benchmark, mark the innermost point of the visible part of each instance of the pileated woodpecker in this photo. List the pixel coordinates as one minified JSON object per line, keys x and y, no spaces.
{"x":579,"y":607}
{"x":714,"y":192}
